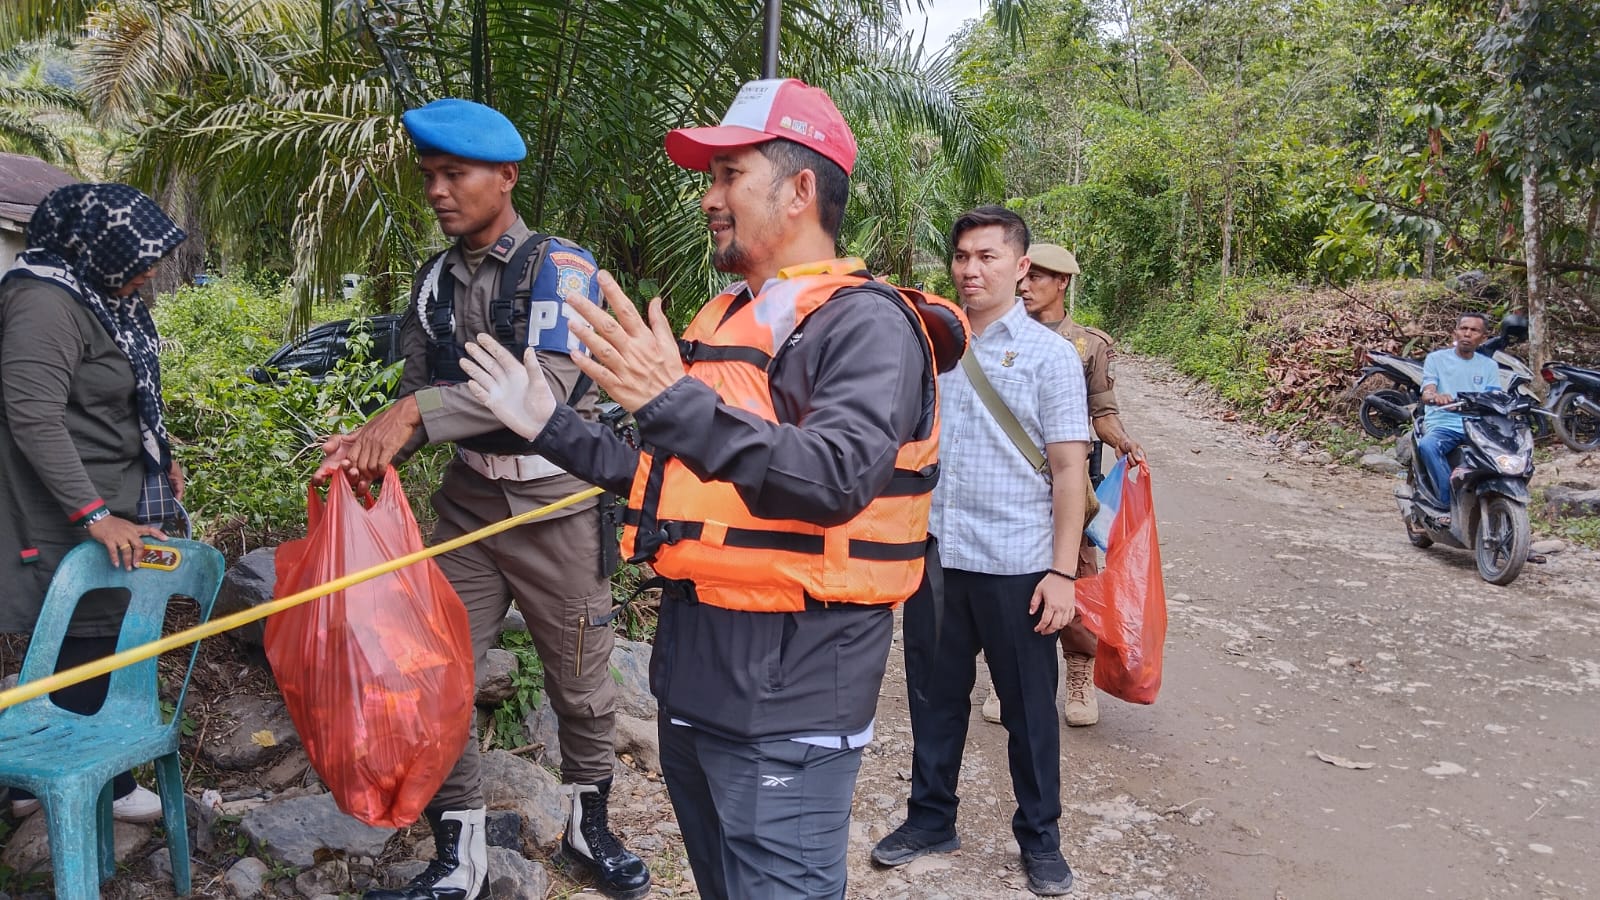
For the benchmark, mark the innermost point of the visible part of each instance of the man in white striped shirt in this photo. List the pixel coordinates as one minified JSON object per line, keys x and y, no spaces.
{"x":1008,"y":584}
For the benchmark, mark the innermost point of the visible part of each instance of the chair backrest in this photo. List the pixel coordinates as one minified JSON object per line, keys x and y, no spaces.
{"x":171,"y":567}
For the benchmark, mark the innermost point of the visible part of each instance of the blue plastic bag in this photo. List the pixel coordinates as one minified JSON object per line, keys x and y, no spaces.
{"x":1109,"y":493}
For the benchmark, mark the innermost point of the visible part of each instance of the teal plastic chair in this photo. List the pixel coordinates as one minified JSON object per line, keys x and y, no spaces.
{"x":68,"y":760}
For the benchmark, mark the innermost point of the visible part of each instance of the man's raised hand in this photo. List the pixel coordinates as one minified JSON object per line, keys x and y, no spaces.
{"x":633,"y":362}
{"x":516,"y":392}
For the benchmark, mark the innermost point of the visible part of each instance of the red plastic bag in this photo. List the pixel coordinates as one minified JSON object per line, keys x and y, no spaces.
{"x":1125,"y":605}
{"x":378,"y":678}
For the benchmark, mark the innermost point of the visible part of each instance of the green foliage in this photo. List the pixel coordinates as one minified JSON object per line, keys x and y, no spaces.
{"x":506,"y":721}
{"x":250,"y":448}
{"x":1211,"y":339}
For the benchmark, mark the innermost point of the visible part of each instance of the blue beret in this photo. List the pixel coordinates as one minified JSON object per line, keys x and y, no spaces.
{"x":465,"y":129}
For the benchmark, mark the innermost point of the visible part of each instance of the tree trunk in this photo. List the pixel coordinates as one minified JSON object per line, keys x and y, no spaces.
{"x":1429,"y":248}
{"x":1533,"y":252}
{"x":1589,"y":224}
{"x":1227,"y":223}
{"x":182,"y":201}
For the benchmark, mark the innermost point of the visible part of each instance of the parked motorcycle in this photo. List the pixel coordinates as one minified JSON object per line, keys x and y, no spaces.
{"x":1574,"y":403}
{"x":1489,"y":476}
{"x":1386,"y":410}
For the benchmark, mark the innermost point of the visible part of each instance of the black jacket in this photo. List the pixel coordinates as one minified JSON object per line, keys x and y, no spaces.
{"x":849,"y":389}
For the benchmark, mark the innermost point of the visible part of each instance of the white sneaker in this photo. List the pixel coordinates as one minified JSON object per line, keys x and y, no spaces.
{"x":143,"y":805}
{"x":1082,"y":708}
{"x":23,"y":808}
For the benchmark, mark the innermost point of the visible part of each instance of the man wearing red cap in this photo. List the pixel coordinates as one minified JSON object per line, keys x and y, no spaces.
{"x":788,"y":450}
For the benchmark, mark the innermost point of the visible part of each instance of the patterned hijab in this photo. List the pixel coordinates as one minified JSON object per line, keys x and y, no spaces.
{"x":91,"y":240}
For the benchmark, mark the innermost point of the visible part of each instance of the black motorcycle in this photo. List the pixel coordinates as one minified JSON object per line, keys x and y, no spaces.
{"x":1489,"y":475}
{"x":1575,"y":404}
{"x":1386,"y":410}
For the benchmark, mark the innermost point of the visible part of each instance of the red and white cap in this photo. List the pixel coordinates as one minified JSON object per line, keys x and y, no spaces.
{"x":765,"y":110}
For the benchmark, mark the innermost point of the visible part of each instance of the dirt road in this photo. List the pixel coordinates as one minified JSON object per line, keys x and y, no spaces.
{"x":1301,"y":621}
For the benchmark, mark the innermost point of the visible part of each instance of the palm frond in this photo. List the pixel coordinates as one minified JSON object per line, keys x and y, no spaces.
{"x":27,"y":20}
{"x":138,"y":48}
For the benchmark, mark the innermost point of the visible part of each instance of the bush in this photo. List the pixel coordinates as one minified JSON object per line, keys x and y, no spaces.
{"x":1210,"y":339}
{"x":250,"y":448}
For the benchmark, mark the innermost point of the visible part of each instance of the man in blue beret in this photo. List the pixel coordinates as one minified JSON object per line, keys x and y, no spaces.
{"x":500,"y":278}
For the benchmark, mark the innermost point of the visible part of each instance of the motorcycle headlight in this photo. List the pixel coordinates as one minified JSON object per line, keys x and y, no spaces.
{"x":1511,"y":464}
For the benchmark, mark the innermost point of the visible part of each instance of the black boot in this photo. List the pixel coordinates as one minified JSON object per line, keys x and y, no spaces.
{"x":460,"y":868}
{"x":589,"y":843}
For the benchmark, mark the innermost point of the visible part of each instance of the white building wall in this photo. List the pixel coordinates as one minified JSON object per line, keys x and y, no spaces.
{"x":11,"y":243}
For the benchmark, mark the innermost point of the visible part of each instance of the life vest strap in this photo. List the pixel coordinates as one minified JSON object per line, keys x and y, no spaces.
{"x":672,"y":532}
{"x":698,"y":351}
{"x":912,"y":483}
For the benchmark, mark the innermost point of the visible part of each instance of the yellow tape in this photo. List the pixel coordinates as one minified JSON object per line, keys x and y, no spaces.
{"x":77,"y":674}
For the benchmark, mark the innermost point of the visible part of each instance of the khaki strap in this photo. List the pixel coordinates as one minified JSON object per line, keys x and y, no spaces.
{"x":1003,"y":414}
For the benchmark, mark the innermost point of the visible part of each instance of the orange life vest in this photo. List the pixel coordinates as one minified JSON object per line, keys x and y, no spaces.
{"x":703,"y":532}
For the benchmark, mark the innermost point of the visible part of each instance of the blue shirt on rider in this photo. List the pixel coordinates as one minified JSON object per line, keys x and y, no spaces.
{"x":1450,"y":374}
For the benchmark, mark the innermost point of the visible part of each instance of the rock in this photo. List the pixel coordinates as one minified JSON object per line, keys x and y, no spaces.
{"x":1321,"y":458}
{"x":330,"y":877}
{"x":402,"y":872}
{"x":513,"y":877}
{"x":630,"y":663}
{"x":511,"y":782}
{"x":1379,"y":462}
{"x":248,"y":584}
{"x":639,"y":739}
{"x":294,"y":829}
{"x":28,"y":848}
{"x":1403,"y":452}
{"x":1550,"y":546}
{"x":262,"y":731}
{"x":10,"y":681}
{"x":540,"y":729}
{"x":1571,"y":499}
{"x":495,"y":684}
{"x":503,"y":828}
{"x":247,"y":878}
{"x":161,"y":865}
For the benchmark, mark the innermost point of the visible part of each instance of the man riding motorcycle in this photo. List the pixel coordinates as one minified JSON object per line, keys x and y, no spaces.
{"x":1445,"y":374}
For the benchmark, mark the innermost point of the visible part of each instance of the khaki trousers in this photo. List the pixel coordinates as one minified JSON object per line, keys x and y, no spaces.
{"x":550,"y":568}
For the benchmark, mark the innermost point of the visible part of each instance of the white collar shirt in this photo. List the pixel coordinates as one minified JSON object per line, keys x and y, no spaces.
{"x":991,"y":511}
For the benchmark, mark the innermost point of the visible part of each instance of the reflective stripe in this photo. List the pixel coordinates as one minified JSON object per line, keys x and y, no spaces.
{"x":500,"y":467}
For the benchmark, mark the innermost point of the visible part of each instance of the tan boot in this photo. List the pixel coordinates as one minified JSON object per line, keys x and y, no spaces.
{"x":1082,"y":708}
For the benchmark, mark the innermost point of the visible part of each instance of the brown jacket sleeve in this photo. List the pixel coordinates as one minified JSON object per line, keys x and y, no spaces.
{"x":1097,"y":376}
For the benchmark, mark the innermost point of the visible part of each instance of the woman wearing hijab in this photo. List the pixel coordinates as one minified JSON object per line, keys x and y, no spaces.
{"x":83,"y":451}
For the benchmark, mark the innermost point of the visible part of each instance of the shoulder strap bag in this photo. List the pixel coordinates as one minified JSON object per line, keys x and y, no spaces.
{"x":1014,"y":430}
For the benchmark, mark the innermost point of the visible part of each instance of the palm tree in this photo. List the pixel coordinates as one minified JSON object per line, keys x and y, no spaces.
{"x":303,"y":131}
{"x":26,"y":126}
{"x":36,"y":116}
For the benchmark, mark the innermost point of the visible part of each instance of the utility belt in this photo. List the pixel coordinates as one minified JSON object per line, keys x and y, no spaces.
{"x":506,"y":467}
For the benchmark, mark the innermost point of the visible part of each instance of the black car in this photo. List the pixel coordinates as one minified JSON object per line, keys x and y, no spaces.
{"x":319,"y":350}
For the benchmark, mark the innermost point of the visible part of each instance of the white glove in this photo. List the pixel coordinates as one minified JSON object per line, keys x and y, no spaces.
{"x":517,"y":393}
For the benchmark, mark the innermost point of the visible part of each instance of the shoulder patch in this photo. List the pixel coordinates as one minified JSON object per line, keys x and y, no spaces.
{"x":566,"y":272}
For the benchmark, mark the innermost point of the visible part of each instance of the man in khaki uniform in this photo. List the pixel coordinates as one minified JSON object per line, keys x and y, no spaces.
{"x":1044,"y":294}
{"x":550,"y":568}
